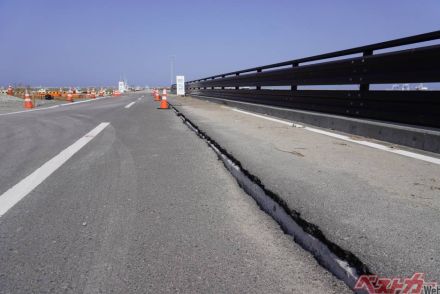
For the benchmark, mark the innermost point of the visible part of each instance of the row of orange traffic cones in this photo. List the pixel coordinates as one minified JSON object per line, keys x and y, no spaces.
{"x":28,"y":104}
{"x":163,"y":99}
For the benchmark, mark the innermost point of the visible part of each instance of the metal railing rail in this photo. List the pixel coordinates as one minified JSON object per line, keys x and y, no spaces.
{"x":414,"y":65}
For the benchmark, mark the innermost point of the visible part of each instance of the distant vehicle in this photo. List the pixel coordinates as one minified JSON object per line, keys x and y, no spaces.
{"x":48,"y":97}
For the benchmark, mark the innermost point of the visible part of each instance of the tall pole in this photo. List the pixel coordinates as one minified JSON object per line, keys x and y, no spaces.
{"x":172,"y":61}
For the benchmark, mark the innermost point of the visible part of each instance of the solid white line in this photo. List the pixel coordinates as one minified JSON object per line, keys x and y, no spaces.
{"x":54,"y":106}
{"x":377,"y":146}
{"x":410,"y":154}
{"x":25,"y":186}
{"x":129,"y":105}
{"x":264,"y":117}
{"x":30,"y":110}
{"x":84,"y":101}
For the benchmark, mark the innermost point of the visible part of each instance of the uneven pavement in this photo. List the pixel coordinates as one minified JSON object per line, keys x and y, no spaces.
{"x":144,"y":207}
{"x":382,"y":207}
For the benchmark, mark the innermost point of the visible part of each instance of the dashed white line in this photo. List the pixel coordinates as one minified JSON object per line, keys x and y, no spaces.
{"x":410,"y":154}
{"x":25,"y":186}
{"x":129,"y":105}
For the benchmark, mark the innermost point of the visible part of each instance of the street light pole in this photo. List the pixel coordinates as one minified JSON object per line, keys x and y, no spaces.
{"x":172,"y":63}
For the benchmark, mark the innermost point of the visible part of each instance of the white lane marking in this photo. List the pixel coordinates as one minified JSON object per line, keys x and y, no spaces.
{"x":25,"y":186}
{"x":129,"y":105}
{"x":30,"y":110}
{"x":410,"y":154}
{"x":264,"y":117}
{"x":54,"y":106}
{"x":377,"y":146}
{"x":84,"y":101}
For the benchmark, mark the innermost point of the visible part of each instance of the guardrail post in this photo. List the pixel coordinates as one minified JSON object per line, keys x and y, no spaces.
{"x":259,"y":70}
{"x":212,"y":88}
{"x":223,"y":76}
{"x":294,"y":87}
{"x":236,"y":87}
{"x":365,"y":87}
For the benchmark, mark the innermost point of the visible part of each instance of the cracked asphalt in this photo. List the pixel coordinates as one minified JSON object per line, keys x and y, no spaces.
{"x":382,"y":207}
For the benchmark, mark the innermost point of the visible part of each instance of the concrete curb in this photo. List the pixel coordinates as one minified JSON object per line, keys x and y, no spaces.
{"x":427,"y":139}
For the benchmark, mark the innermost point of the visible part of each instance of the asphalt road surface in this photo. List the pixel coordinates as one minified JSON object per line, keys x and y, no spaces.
{"x":381,"y":206}
{"x":103,"y":197}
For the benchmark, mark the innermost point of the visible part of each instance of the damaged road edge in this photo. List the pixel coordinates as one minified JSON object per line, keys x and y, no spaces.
{"x":340,"y":262}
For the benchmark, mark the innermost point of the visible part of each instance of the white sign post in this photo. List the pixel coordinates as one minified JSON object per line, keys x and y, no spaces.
{"x":180,"y":85}
{"x":121,"y":86}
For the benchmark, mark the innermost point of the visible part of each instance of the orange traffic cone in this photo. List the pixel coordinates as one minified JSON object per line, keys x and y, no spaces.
{"x":27,"y":101}
{"x":157,"y":96}
{"x":164,"y":94}
{"x":69,"y":96}
{"x":10,"y":91}
{"x":164,"y":102}
{"x":93,"y":94}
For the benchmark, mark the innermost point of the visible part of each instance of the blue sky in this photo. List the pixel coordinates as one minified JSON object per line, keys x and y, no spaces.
{"x":83,"y":43}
